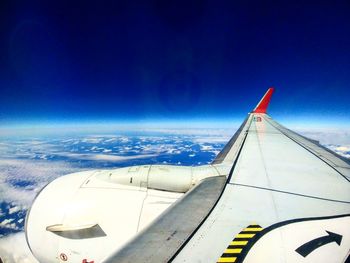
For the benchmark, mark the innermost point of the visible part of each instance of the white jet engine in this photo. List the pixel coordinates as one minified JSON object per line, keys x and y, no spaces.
{"x":86,"y":216}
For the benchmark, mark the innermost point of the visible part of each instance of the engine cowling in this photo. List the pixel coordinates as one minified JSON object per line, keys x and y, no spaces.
{"x":84,"y":217}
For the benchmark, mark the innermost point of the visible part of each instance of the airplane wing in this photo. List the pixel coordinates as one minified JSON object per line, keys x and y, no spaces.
{"x":284,"y":198}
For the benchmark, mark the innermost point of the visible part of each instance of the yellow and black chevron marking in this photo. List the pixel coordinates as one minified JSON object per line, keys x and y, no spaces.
{"x":239,"y":244}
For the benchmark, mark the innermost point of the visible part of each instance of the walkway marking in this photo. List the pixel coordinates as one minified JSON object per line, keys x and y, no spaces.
{"x":233,"y":252}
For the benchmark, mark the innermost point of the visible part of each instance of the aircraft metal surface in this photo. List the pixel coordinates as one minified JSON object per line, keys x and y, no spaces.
{"x":271,"y":195}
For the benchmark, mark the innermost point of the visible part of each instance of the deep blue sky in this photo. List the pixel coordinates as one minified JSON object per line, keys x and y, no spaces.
{"x":177,"y":60}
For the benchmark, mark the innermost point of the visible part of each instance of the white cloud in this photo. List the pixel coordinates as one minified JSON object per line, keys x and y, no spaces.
{"x":14,"y":249}
{"x":328,"y":136}
{"x":12,"y":226}
{"x":343,"y":150}
{"x":213,"y":139}
{"x":36,"y":172}
{"x":124,"y":139}
{"x":92,"y":140}
{"x":111,"y":140}
{"x":14,"y":209}
{"x":206,"y":147}
{"x":173,"y":151}
{"x":5,"y":222}
{"x":104,"y":157}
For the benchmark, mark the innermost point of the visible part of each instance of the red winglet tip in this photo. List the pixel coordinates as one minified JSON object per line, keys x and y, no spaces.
{"x":264,"y":102}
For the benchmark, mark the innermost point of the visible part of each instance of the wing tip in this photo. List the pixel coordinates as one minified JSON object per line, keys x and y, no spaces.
{"x":264,"y":102}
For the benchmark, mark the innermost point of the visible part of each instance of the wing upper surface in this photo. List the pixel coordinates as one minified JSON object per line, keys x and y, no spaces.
{"x":277,"y":176}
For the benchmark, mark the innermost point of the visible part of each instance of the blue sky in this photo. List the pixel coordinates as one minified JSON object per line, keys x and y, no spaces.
{"x":174,"y":61}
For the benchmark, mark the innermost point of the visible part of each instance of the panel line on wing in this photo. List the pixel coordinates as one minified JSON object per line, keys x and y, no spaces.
{"x":291,"y":193}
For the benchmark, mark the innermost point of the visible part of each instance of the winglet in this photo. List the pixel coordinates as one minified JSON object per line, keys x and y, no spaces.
{"x":264,"y":102}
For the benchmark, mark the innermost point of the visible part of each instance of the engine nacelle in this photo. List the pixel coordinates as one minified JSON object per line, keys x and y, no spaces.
{"x":84,"y":217}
